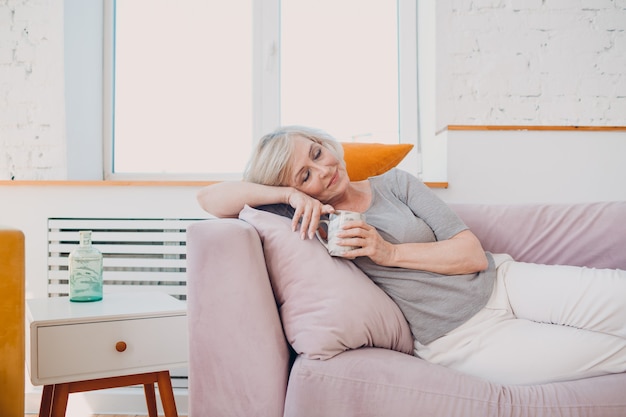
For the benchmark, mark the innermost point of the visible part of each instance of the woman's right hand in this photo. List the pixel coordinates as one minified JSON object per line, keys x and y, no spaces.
{"x":307,"y":212}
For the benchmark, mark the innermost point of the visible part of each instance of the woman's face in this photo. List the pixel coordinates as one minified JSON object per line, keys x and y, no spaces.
{"x":316,"y":171}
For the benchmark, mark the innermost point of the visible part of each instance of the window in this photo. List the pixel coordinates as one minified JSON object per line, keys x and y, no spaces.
{"x":339,"y":67}
{"x":197,"y":82}
{"x":182,"y":86}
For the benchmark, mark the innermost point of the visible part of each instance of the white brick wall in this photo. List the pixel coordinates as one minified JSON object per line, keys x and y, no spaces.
{"x":531,"y":62}
{"x":32,"y":132}
{"x":499,"y":62}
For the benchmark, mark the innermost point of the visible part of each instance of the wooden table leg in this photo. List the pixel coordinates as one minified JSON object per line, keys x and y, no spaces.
{"x":59,"y":400}
{"x":46,"y":401}
{"x":167,"y":395}
{"x":54,"y":398}
{"x":150,"y":399}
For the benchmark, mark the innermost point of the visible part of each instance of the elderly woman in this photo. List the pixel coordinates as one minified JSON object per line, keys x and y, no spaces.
{"x":473,"y":311}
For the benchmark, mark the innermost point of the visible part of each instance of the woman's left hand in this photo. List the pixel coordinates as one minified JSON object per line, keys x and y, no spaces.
{"x":370,"y":242}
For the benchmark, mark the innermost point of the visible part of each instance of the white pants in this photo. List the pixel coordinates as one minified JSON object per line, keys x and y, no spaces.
{"x":543,"y":323}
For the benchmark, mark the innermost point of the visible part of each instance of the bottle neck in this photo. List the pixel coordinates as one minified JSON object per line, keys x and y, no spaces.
{"x":85,"y":239}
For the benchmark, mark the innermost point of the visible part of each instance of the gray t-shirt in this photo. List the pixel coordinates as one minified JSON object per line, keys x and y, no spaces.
{"x":405,"y":210}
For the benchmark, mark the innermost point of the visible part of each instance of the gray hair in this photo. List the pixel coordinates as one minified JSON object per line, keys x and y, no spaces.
{"x":269,"y":162}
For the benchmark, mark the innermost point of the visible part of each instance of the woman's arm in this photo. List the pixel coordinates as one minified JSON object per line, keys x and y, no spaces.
{"x":227,"y":199}
{"x":461,"y":254}
{"x":456,"y":250}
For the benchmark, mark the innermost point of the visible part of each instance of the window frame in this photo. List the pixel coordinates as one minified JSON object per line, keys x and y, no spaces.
{"x":266,"y":86}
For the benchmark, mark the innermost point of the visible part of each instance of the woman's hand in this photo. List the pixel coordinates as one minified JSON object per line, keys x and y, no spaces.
{"x":371,"y":243}
{"x":307,"y":212}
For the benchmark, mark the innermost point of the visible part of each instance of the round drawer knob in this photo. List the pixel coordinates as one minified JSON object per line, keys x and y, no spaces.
{"x":120,"y":346}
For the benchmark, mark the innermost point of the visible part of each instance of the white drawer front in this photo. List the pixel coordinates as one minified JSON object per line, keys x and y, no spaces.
{"x":88,"y":350}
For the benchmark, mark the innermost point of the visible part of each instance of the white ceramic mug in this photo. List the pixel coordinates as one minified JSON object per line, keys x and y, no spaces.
{"x":335,"y":224}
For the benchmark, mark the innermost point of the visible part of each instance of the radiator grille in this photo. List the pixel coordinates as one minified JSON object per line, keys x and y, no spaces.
{"x":138,"y":255}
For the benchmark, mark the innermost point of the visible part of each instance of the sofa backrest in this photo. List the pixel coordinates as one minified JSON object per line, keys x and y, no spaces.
{"x":587,"y":234}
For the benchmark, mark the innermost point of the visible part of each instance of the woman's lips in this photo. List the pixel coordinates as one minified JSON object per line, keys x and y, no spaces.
{"x":334,"y":179}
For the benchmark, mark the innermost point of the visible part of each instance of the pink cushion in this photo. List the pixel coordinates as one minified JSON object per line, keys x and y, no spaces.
{"x":327,"y":305}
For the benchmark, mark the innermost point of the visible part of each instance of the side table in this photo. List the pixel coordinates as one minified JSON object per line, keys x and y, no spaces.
{"x":124,"y":339}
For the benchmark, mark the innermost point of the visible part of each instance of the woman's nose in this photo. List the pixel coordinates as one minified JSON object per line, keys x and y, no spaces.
{"x":325,"y":170}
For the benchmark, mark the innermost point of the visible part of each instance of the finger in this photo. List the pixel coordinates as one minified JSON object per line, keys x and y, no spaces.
{"x":306,"y":222}
{"x":297,"y":217}
{"x":351,"y":254}
{"x":352,"y":241}
{"x":327,"y":209}
{"x":314,"y":224}
{"x":351,"y":231}
{"x":355,"y":224}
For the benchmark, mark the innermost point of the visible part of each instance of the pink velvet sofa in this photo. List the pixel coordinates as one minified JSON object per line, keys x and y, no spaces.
{"x":279,"y":328}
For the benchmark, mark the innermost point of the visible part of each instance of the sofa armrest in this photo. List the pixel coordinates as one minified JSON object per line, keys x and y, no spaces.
{"x":12,"y":339}
{"x":238,"y":358}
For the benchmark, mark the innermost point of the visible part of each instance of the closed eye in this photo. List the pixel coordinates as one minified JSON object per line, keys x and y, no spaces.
{"x":315,"y":155}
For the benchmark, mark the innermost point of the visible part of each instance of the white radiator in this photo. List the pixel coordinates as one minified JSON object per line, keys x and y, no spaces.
{"x":138,"y":255}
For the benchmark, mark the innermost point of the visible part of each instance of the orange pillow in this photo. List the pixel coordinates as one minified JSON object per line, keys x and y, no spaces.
{"x":364,"y":160}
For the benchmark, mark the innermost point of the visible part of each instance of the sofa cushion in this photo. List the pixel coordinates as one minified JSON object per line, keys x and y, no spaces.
{"x":377,"y":382}
{"x":327,"y":305}
{"x":364,"y":160}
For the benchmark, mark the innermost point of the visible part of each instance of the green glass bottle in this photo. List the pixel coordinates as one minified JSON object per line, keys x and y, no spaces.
{"x":85,"y":264}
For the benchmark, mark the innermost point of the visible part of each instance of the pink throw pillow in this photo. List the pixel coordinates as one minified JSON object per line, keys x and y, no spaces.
{"x":327,"y":305}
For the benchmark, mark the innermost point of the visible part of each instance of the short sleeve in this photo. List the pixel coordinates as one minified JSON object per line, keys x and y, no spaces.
{"x":426,"y":205}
